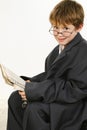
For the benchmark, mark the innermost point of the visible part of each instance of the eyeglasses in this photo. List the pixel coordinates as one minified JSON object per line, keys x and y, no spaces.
{"x":54,"y":31}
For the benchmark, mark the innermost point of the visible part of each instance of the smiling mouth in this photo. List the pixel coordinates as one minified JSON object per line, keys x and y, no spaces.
{"x":62,"y":39}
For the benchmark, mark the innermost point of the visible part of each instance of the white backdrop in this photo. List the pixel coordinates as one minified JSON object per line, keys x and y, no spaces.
{"x":25,"y":41}
{"x":24,"y":38}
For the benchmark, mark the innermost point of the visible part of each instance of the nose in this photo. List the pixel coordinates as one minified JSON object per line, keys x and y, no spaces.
{"x":60,"y":33}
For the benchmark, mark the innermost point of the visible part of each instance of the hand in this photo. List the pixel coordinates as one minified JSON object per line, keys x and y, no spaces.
{"x":24,"y":99}
{"x":28,"y":81}
{"x":22,"y":94}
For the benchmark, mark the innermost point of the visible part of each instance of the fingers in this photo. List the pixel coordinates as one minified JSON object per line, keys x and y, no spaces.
{"x":27,"y":80}
{"x":22,"y":94}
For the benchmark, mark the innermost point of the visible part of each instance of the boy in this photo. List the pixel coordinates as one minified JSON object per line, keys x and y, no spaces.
{"x":57,"y":97}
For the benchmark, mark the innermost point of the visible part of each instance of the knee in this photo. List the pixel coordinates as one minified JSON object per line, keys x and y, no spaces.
{"x":14,"y":97}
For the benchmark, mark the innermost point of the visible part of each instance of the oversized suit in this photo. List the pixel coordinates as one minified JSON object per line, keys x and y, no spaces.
{"x":59,"y":94}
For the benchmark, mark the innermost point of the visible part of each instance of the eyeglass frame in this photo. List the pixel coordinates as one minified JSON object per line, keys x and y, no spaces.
{"x":60,"y":32}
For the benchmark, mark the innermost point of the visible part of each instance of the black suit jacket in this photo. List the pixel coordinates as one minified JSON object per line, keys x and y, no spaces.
{"x":63,"y":85}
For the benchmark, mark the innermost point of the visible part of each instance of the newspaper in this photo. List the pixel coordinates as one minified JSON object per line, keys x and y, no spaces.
{"x":12,"y":79}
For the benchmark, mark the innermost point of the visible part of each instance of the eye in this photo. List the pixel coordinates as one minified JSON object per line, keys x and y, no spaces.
{"x":66,"y":28}
{"x":55,"y":27}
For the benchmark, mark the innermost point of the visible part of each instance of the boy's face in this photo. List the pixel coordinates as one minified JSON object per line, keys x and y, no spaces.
{"x":64,"y":34}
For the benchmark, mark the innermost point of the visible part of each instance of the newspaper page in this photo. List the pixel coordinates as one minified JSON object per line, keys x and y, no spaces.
{"x":12,"y":79}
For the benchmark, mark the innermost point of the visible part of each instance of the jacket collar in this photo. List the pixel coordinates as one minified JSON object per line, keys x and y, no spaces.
{"x":73,"y":43}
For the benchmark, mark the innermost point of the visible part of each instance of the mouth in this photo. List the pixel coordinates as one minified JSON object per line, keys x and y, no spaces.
{"x":61,"y":39}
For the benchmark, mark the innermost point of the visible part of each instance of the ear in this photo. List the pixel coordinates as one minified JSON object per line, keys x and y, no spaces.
{"x":79,"y":28}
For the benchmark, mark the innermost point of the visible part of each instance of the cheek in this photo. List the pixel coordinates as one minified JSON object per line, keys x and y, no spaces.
{"x":67,"y":40}
{"x":71,"y":38}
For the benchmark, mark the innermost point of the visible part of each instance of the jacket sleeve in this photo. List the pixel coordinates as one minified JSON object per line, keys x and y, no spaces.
{"x":38,"y":78}
{"x":58,"y":89}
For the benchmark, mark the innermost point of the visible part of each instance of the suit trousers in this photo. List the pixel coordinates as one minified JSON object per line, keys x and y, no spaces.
{"x":34,"y":117}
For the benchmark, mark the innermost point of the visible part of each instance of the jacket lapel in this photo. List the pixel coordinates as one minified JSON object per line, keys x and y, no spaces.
{"x":59,"y":57}
{"x":74,"y":42}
